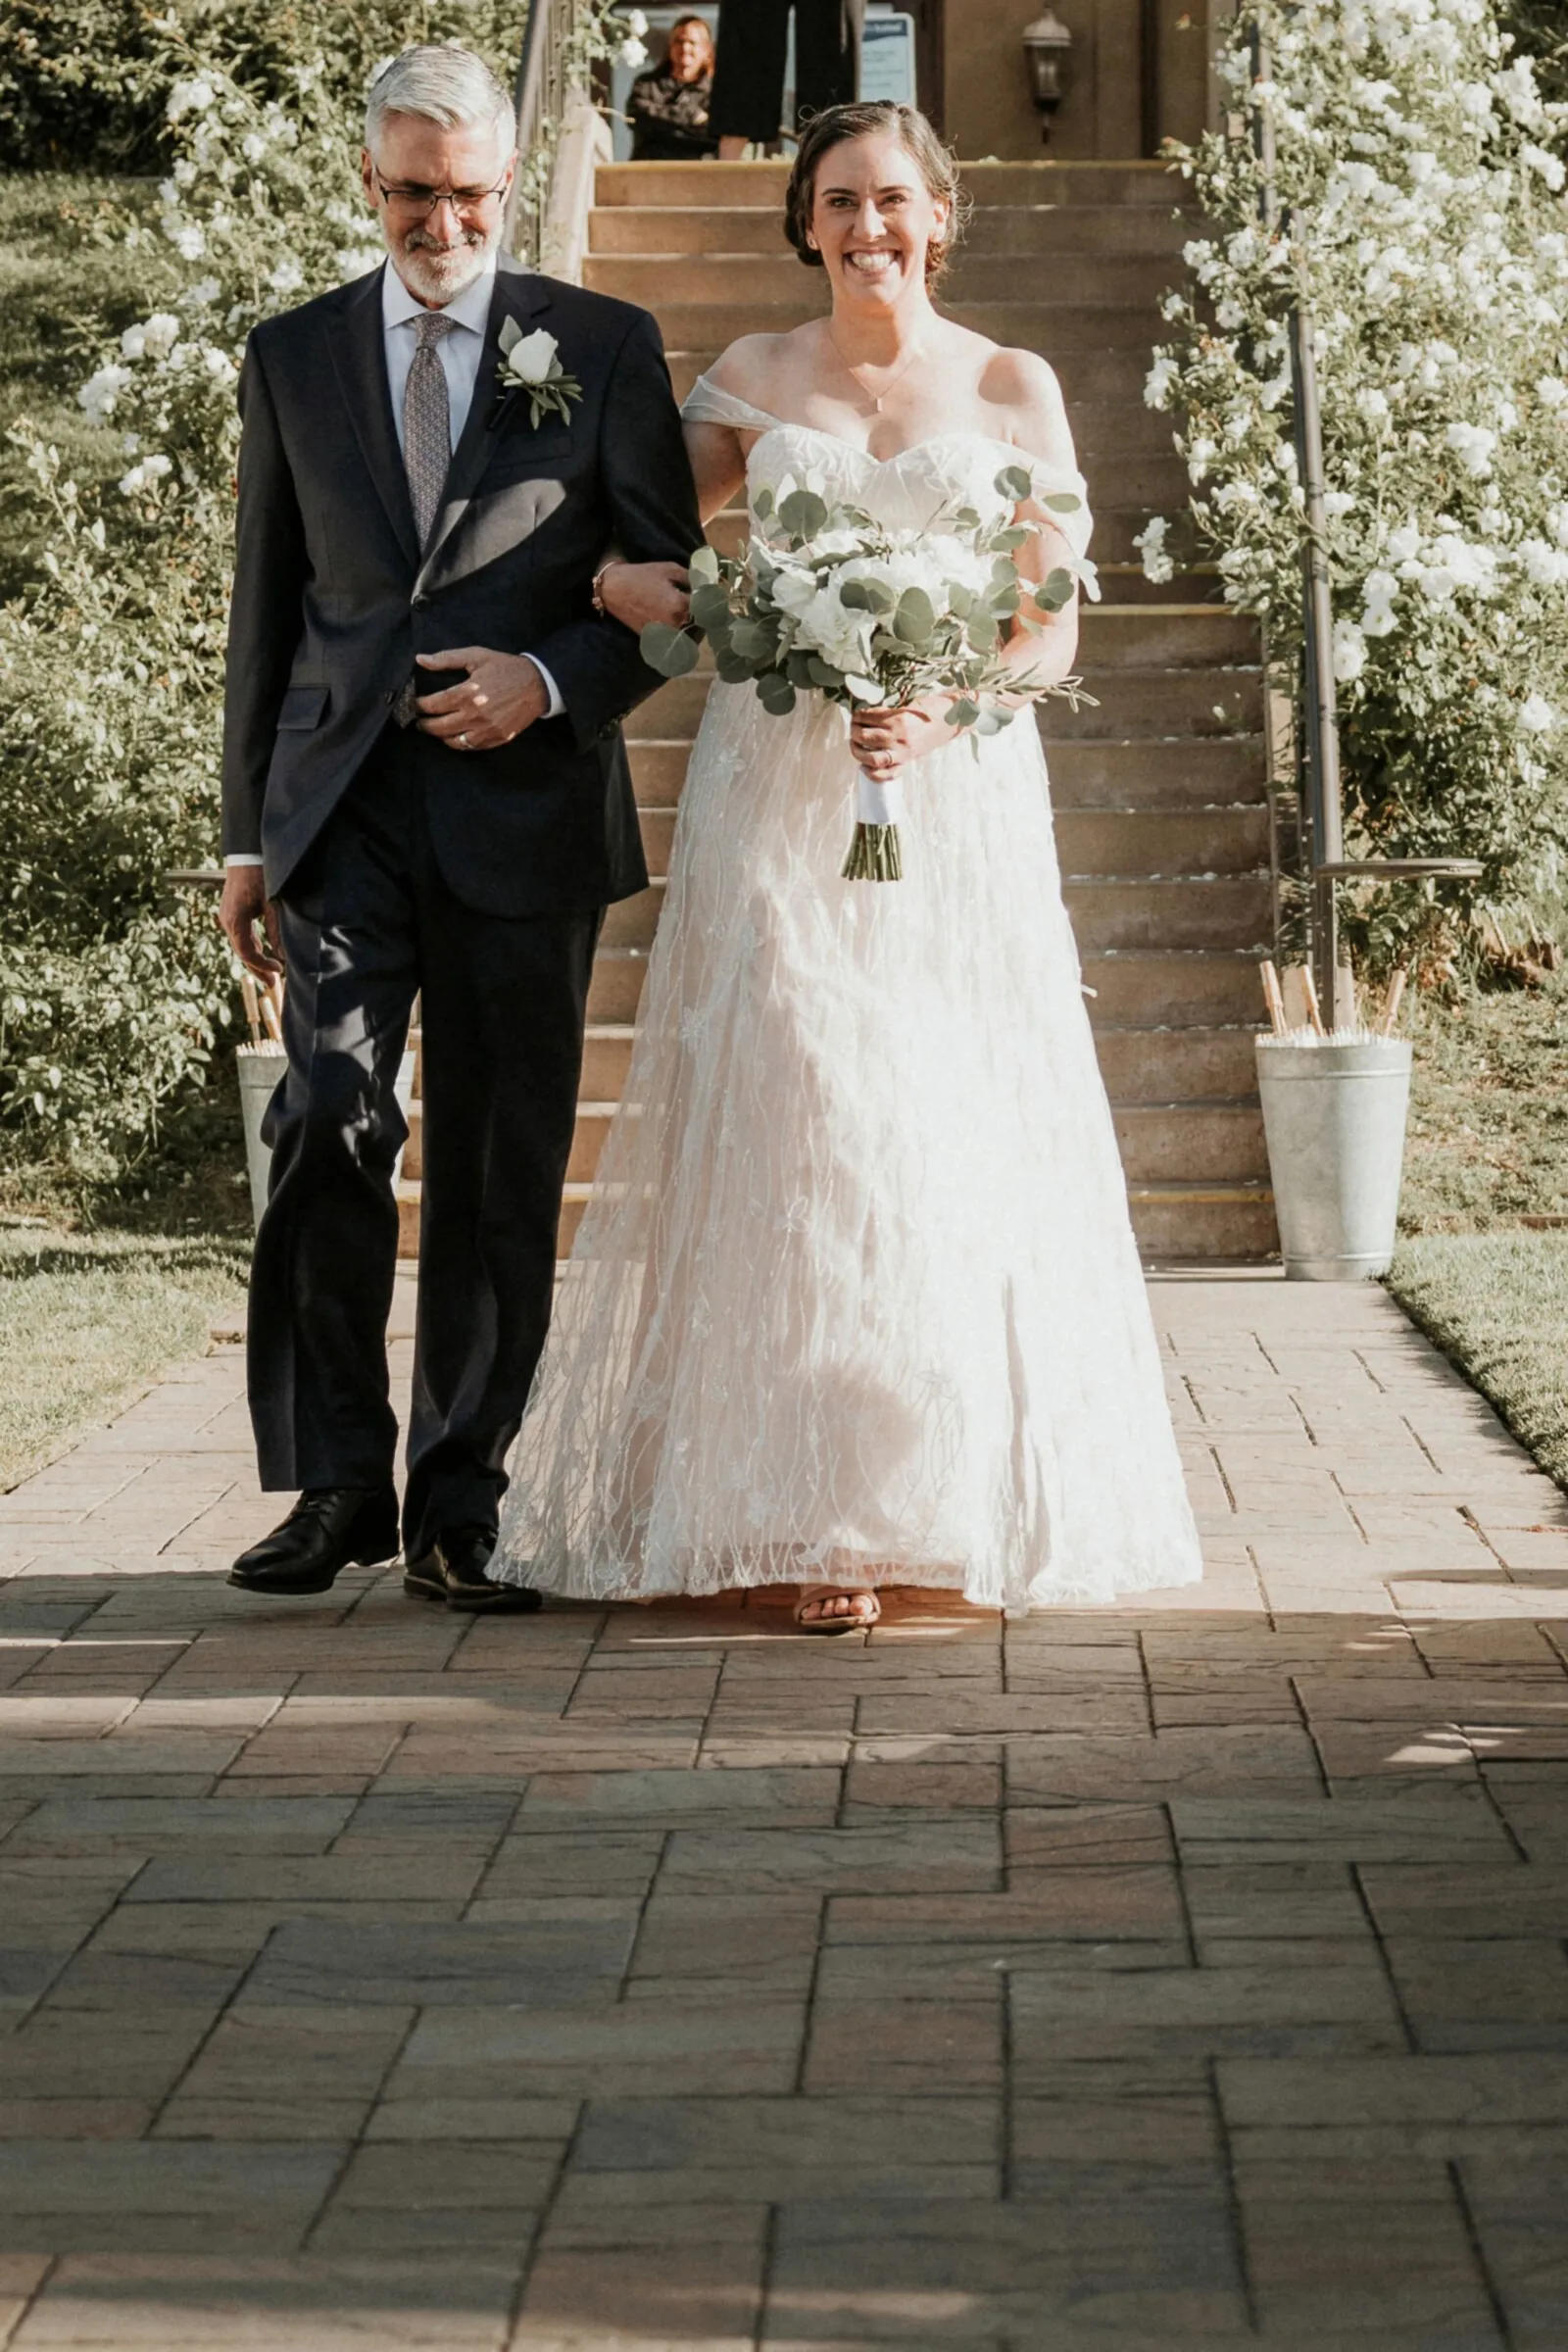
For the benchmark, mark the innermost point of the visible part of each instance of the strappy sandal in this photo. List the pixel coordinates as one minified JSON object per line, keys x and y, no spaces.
{"x":860,"y":1620}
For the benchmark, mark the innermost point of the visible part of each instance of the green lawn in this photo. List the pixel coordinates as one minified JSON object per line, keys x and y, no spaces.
{"x":1497,"y":1304}
{"x":1488,"y":1146}
{"x":88,"y":1319}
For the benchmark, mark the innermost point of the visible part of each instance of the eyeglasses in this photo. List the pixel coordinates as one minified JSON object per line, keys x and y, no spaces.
{"x":420,"y":202}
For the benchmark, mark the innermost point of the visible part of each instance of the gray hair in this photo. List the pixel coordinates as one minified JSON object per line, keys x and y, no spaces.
{"x":446,"y":85}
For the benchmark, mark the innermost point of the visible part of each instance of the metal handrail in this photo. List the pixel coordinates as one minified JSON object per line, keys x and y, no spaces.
{"x":1317,"y":704}
{"x":540,"y":92}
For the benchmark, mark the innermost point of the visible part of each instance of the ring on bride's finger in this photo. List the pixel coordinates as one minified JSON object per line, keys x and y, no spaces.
{"x":463,"y":740}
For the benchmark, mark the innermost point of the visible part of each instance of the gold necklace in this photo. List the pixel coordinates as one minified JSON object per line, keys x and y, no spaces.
{"x":875,"y":398}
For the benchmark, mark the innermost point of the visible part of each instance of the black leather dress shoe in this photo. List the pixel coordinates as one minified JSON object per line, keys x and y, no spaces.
{"x":455,"y":1570}
{"x":328,"y":1527}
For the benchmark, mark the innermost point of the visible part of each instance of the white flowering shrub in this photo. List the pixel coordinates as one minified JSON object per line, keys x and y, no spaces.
{"x":1426,"y":228}
{"x":115,"y":987}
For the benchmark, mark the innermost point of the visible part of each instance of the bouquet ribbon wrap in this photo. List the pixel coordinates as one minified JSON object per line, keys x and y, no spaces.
{"x":878,"y":800}
{"x":874,"y":852}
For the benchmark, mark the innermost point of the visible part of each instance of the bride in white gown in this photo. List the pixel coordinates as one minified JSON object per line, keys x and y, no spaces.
{"x":855,"y":1302}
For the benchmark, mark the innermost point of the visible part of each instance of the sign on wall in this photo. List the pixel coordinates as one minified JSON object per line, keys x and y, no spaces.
{"x":887,"y":58}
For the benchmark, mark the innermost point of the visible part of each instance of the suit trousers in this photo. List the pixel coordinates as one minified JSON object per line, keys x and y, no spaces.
{"x":749,"y":68}
{"x":368,"y":922}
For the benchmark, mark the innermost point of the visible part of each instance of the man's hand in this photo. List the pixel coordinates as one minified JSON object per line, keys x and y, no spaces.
{"x":501,"y":697}
{"x":243,"y":906}
{"x":639,"y":592}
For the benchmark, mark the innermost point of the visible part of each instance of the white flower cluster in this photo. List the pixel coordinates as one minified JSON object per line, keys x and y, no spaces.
{"x":1416,"y":166}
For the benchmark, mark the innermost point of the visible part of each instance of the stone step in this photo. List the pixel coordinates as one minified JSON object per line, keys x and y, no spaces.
{"x":1195,"y":772}
{"x":1174,"y":1222}
{"x":1232,"y":910}
{"x":1117,"y":636}
{"x":1177,"y":1223}
{"x":1176,"y":779}
{"x":718,"y":186}
{"x":1025,"y":232}
{"x":1160,"y":1136}
{"x":1162,"y":1066}
{"x":606,"y":1058}
{"x":1149,"y":988}
{"x":616,"y":986}
{"x":1156,"y":704}
{"x":1137,"y":1064}
{"x":1188,"y":1142}
{"x":1169,"y":989}
{"x":1157,"y":843}
{"x":1153,"y":988}
{"x":1161,"y":843}
{"x":667,"y":281}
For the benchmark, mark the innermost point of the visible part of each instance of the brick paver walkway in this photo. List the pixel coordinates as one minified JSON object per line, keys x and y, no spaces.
{"x":1166,"y":1979}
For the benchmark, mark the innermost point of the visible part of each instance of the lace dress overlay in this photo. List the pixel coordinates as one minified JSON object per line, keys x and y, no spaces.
{"x":856,"y":1298}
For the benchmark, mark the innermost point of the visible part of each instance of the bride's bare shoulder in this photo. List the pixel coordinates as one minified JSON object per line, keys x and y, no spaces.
{"x":1025,"y":386}
{"x":751,"y":367}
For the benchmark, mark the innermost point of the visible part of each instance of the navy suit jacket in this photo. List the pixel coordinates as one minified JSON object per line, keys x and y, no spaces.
{"x":333,"y":598}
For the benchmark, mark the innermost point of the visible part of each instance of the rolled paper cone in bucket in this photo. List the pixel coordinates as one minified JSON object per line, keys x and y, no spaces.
{"x":1334,"y":1116}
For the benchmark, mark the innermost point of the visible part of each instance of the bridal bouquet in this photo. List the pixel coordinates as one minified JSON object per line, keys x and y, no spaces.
{"x":826,"y":600}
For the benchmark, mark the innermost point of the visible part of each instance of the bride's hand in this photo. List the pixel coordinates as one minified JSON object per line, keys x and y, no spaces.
{"x":882,"y":741}
{"x":639,"y":592}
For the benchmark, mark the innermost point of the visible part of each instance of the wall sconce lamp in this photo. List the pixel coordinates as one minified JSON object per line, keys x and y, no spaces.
{"x":1048,"y":47}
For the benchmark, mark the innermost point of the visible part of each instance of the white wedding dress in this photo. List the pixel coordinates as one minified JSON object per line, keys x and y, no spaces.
{"x":857,"y":1299}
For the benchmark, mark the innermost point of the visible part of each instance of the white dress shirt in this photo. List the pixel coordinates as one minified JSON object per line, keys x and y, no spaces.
{"x":460,"y":356}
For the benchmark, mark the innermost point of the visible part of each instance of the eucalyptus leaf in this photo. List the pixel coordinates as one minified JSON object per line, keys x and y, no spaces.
{"x":1061,"y":501}
{"x":916,"y":617}
{"x":803,"y":514}
{"x":775,"y":694}
{"x":762,"y":505}
{"x":823,"y":675}
{"x":1055,"y":591}
{"x":711,"y":608}
{"x":1015,"y":483}
{"x":704,"y":564}
{"x":753,"y":641}
{"x":669,"y":651}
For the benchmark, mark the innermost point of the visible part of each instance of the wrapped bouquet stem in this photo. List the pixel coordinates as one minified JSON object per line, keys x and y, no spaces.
{"x":874,"y":852}
{"x":826,"y":600}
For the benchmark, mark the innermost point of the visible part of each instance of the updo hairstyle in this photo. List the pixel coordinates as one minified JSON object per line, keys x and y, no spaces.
{"x":868,"y":119}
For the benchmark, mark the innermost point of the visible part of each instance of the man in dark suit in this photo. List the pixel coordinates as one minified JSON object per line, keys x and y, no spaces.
{"x":425,"y":790}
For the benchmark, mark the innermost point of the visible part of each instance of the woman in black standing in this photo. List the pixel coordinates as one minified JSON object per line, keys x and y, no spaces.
{"x":749,"y":76}
{"x":669,"y":105}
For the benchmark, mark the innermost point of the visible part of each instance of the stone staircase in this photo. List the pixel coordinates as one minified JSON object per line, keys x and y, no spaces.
{"x":1162,"y":819}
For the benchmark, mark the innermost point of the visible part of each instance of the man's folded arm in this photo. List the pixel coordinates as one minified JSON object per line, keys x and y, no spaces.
{"x":270,"y":570}
{"x":647,"y":479}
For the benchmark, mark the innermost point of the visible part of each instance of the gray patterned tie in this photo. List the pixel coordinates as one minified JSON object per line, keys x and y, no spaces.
{"x":428,"y":456}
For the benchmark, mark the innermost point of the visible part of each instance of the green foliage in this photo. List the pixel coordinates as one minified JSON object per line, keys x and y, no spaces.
{"x":1414,"y":206}
{"x":115,"y":987}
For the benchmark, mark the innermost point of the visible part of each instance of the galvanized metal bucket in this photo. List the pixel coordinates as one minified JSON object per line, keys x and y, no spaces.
{"x":1334,"y":1116}
{"x":259,"y":1068}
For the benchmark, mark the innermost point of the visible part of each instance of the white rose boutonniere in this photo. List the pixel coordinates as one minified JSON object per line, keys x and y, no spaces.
{"x":531,"y":364}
